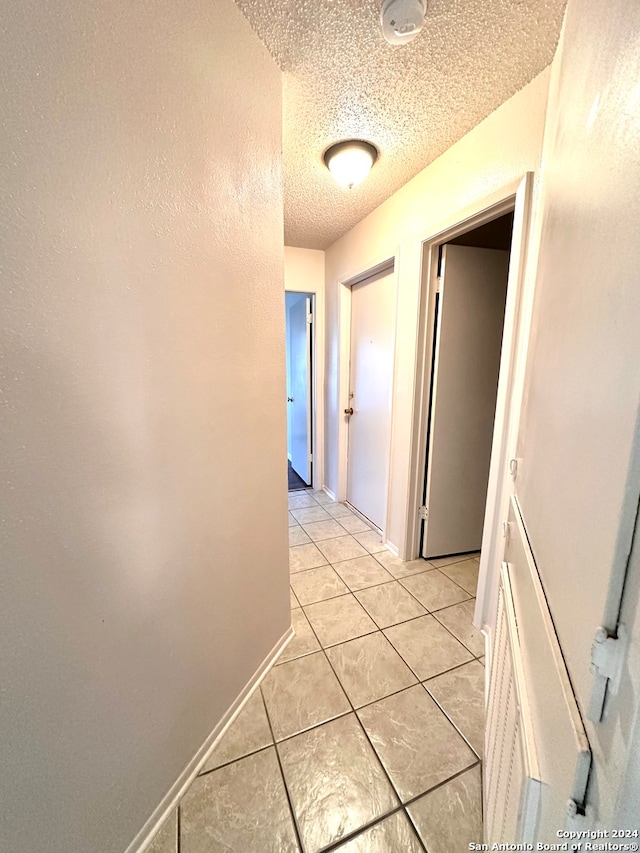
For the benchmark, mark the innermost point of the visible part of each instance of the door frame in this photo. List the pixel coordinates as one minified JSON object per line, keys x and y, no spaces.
{"x":317,"y":381}
{"x":345,"y":283}
{"x":515,"y":196}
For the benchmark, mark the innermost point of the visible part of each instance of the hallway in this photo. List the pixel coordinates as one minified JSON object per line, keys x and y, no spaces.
{"x":368,"y":732}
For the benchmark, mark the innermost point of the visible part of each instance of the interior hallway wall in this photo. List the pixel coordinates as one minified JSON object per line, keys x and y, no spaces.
{"x":578,"y":478}
{"x":497,"y":152}
{"x":143,"y":389}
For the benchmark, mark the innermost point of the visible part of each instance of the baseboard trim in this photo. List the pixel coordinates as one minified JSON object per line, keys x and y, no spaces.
{"x":329,"y":493}
{"x":393,"y":548}
{"x":154,"y":824}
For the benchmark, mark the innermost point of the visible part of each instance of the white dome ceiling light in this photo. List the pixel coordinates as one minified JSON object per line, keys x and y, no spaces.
{"x":350,"y":161}
{"x":402,"y":20}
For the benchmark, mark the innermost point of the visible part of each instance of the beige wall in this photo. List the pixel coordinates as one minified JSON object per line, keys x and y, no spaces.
{"x":497,"y":152}
{"x":144,"y":574}
{"x":303,"y":270}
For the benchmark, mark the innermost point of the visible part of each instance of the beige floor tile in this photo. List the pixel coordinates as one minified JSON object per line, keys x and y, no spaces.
{"x":481,"y":660}
{"x":304,"y":641}
{"x":465,"y":574}
{"x":166,"y":841}
{"x":371,"y":540}
{"x":389,"y":604}
{"x":302,"y":693}
{"x":322,"y":497}
{"x":417,"y":745}
{"x":399,"y":568}
{"x":369,"y":668}
{"x":450,"y":817}
{"x":319,"y":530}
{"x":338,"y":620}
{"x":338,"y":510}
{"x":427,"y":647}
{"x":459,"y":620}
{"x":292,"y":520}
{"x":300,"y":500}
{"x":242,"y":806}
{"x":293,"y":601}
{"x":352,"y":524}
{"x":317,"y":585}
{"x":303,"y":557}
{"x":362,"y":572}
{"x":310,"y":514}
{"x":434,"y":590}
{"x":297,"y":536}
{"x":392,"y":835}
{"x":460,"y":694}
{"x":248,"y":733}
{"x":344,"y":548}
{"x":335,"y":781}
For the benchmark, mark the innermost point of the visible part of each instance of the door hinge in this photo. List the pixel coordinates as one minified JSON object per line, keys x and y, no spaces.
{"x":310,"y":318}
{"x":423,"y":512}
{"x":439,"y":284}
{"x":607,"y":655}
{"x":311,"y":457}
{"x":579,"y":817}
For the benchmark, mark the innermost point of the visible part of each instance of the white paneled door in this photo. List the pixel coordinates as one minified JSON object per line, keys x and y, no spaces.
{"x":299,"y":406}
{"x":473,"y":288}
{"x":371,"y":370}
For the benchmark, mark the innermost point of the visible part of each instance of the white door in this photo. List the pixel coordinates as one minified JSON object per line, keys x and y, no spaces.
{"x":370,"y":377}
{"x":299,"y":406}
{"x":473,"y":288}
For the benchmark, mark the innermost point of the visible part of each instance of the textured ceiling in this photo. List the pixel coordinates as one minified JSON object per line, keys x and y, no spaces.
{"x":342,"y":80}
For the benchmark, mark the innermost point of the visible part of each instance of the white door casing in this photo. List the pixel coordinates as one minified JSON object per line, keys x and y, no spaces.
{"x":299,"y":406}
{"x":467,"y":360}
{"x":370,"y":374}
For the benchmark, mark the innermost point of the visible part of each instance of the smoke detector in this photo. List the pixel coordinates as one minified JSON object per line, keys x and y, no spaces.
{"x":402,"y":20}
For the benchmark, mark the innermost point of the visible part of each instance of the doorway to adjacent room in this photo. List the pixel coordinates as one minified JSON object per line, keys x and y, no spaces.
{"x":299,"y":349}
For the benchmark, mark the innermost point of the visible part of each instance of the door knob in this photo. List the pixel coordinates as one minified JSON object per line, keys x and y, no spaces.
{"x":348,"y":411}
{"x":289,"y":399}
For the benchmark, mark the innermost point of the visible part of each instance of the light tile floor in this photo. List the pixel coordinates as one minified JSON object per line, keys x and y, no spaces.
{"x":367,"y":735}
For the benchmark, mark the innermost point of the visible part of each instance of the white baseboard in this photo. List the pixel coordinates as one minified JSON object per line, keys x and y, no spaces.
{"x":154,"y":824}
{"x":393,"y":548}
{"x":329,"y":492}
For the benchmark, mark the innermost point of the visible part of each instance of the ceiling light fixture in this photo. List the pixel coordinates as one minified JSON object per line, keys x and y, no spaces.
{"x":350,"y":161}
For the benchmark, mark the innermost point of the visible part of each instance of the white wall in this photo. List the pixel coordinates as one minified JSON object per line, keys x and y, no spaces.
{"x":578,"y":477}
{"x":497,"y":152}
{"x":144,"y":403}
{"x":304,"y":273}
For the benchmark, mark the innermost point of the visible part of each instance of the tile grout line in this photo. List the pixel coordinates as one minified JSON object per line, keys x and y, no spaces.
{"x":381,"y":630}
{"x":346,"y":839}
{"x":403,"y":806}
{"x":453,"y":723}
{"x":251,"y":752}
{"x":368,"y":739}
{"x":292,"y":812}
{"x":395,"y":693}
{"x":398,"y":652}
{"x":366,"y":704}
{"x":353,"y":711}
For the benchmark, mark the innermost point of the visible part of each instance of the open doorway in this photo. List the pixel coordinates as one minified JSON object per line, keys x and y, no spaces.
{"x":468,"y":323}
{"x":299,"y":350}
